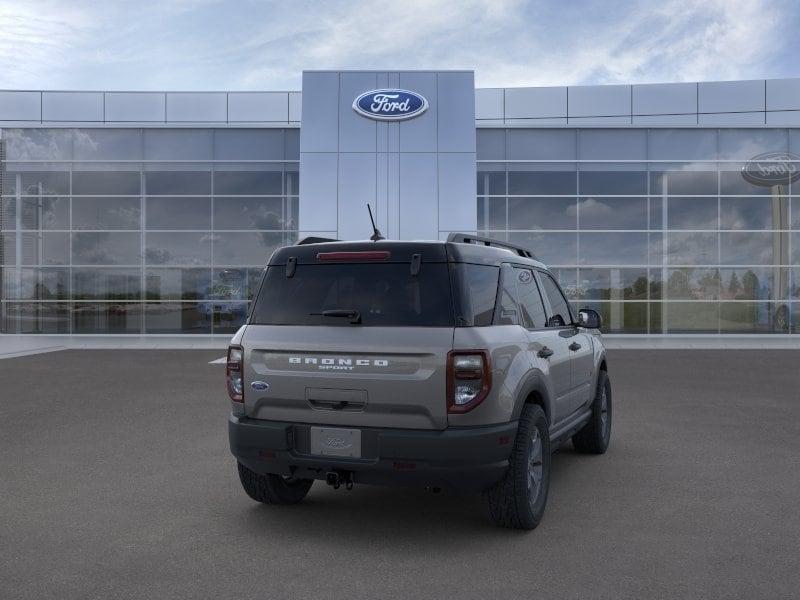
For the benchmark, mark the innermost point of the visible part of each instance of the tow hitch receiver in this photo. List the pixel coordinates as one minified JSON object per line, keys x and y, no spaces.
{"x":339,"y":478}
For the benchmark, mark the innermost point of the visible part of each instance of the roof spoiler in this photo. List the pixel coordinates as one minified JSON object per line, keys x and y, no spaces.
{"x":314,"y":240}
{"x":464,"y":238}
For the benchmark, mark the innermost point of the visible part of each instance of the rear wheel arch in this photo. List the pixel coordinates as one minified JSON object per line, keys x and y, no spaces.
{"x":534,"y":391}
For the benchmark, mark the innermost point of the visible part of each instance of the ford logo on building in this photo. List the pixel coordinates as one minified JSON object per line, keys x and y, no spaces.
{"x":772,"y":168}
{"x":390,"y":105}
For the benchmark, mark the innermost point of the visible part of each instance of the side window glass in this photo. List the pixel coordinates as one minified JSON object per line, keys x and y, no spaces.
{"x":507,"y":311}
{"x":530,"y":300}
{"x":560,"y":308}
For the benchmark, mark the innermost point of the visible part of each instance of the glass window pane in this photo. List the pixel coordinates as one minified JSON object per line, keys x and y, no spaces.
{"x":249,"y":213}
{"x":611,"y":183}
{"x":94,"y":212}
{"x":177,"y":284}
{"x":245,"y":248}
{"x":612,"y":213}
{"x":536,"y":183}
{"x":553,"y":249}
{"x":748,"y":248}
{"x":613,"y":248}
{"x":696,"y":248}
{"x":492,"y":182}
{"x":38,"y":144}
{"x":178,"y":248}
{"x":248,"y":182}
{"x":613,"y":284}
{"x":691,"y":317}
{"x":732,"y":182}
{"x":44,"y":212}
{"x":178,"y":212}
{"x":744,"y":144}
{"x":559,"y":307}
{"x":178,"y":144}
{"x":492,"y":213}
{"x":541,"y":144}
{"x":106,"y":248}
{"x":108,"y":144}
{"x":45,"y":317}
{"x":754,"y":283}
{"x":621,"y":317}
{"x":106,"y":284}
{"x":248,"y":144}
{"x":684,"y":183}
{"x":490,"y":144}
{"x":8,"y":214}
{"x":693,"y":284}
{"x":542,"y":213}
{"x":228,"y":317}
{"x":102,"y":317}
{"x":39,"y":249}
{"x":612,"y":144}
{"x":753,"y":317}
{"x":568,"y":280}
{"x":291,"y":144}
{"x":36,"y":182}
{"x":177,"y":183}
{"x":118,"y":183}
{"x":508,"y":310}
{"x":178,"y":317}
{"x":530,"y":300}
{"x":752,"y":213}
{"x":682,"y":144}
{"x":235,"y":283}
{"x":35,"y":284}
{"x":692,"y":213}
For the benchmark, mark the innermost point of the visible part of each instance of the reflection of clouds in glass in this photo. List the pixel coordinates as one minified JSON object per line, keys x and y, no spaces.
{"x":590,"y":208}
{"x":37,"y":144}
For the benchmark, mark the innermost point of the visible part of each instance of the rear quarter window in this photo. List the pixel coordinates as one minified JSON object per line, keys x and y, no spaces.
{"x":476,"y":292}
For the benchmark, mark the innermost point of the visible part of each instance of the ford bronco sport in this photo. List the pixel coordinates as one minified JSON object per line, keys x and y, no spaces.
{"x":455,"y":364}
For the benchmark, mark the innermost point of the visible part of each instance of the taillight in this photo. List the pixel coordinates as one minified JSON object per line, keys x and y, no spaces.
{"x":356,"y":256}
{"x":234,"y":373}
{"x":469,"y":379}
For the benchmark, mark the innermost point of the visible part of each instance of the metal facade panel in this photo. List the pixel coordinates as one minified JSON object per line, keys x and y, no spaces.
{"x":418,"y":191}
{"x":783,"y":94}
{"x":72,"y":106}
{"x":664,"y":99}
{"x":197,"y":107}
{"x":318,"y":193}
{"x":536,"y":103}
{"x":599,"y":101}
{"x":455,"y":117}
{"x":731,"y":96}
{"x":356,"y":134}
{"x":133,"y":107}
{"x":20,"y":106}
{"x":253,"y":107}
{"x":320,"y":108}
{"x":489,"y":103}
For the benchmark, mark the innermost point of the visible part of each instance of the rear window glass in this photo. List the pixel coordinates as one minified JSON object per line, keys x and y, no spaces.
{"x":383,"y":294}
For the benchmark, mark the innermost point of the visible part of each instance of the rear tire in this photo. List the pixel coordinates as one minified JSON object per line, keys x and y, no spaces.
{"x":519,"y":499}
{"x":273,"y":489}
{"x":596,"y":434}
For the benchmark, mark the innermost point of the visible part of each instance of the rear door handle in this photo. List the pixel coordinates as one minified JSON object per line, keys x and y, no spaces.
{"x":545,"y":352}
{"x":574,"y":346}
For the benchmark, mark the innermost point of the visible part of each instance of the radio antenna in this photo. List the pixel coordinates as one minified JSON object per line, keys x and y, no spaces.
{"x":376,"y":233}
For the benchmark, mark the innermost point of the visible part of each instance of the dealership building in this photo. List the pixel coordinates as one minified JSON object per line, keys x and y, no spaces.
{"x":669,"y":208}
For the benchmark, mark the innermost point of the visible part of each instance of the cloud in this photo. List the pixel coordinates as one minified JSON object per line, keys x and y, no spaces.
{"x":266,"y":45}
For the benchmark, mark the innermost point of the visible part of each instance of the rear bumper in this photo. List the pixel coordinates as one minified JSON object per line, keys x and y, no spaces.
{"x":465,"y":458}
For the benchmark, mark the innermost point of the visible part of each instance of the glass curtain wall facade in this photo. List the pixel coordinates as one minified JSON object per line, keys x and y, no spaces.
{"x":130,"y":231}
{"x":656,"y":229}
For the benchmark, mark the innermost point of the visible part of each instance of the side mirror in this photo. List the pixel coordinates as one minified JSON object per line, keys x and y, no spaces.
{"x":590,"y":319}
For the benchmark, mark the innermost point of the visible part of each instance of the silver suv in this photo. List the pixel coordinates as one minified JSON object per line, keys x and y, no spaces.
{"x":455,"y":364}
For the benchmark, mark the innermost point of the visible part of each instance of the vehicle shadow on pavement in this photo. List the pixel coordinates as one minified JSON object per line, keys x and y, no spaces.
{"x":368,"y":512}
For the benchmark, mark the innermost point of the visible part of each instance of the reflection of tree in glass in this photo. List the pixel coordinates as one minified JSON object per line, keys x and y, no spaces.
{"x":749,"y":286}
{"x":734,"y":287}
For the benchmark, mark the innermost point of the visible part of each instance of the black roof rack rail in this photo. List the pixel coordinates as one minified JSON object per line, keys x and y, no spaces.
{"x":464,"y":238}
{"x":314,"y":240}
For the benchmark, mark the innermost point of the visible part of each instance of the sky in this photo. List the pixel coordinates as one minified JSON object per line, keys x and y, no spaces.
{"x":265,"y":45}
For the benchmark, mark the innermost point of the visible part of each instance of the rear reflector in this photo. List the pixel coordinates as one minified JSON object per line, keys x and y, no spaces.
{"x":365,"y":255}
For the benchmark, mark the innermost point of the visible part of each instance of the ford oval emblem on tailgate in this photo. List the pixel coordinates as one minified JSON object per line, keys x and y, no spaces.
{"x":260,"y":385}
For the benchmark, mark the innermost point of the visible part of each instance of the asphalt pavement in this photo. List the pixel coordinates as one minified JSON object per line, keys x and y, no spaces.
{"x":116,"y":482}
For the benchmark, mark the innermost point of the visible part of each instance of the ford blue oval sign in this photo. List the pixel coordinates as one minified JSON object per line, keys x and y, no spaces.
{"x":390,"y":105}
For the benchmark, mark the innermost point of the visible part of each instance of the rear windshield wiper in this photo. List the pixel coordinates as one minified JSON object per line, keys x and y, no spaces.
{"x":344,"y":313}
